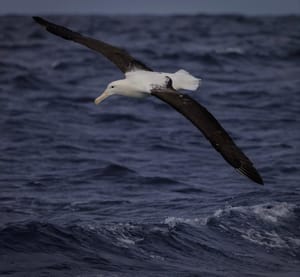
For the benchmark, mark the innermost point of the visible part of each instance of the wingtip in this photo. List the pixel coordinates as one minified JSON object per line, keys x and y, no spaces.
{"x":259,"y":181}
{"x":252,"y":174}
{"x":38,"y":20}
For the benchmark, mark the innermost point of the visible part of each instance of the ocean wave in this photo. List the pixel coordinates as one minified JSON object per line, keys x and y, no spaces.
{"x":119,"y":244}
{"x":269,"y":212}
{"x":101,"y":245}
{"x":275,"y":212}
{"x":116,"y":169}
{"x":174,"y":221}
{"x":269,"y":224}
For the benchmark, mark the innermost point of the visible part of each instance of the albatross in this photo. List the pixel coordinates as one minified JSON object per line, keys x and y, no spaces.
{"x":141,"y":81}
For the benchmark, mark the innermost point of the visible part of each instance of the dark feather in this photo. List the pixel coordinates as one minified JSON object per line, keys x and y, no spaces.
{"x":211,"y":129}
{"x":117,"y":55}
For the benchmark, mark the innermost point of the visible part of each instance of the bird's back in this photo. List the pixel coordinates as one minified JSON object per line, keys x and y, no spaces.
{"x":148,"y":80}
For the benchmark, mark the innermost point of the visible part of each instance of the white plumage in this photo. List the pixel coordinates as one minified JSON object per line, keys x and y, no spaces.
{"x":145,"y":81}
{"x":140,"y":83}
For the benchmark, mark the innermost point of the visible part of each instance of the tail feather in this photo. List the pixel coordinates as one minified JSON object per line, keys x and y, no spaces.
{"x":184,"y":80}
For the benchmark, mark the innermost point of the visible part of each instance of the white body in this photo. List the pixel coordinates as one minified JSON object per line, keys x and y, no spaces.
{"x":145,"y":81}
{"x":139,"y":83}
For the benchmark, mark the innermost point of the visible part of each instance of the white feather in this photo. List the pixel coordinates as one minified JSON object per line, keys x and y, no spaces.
{"x":184,"y":80}
{"x":145,"y":81}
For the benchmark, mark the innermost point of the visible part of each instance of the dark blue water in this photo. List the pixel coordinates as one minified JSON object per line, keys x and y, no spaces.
{"x":130,"y":187}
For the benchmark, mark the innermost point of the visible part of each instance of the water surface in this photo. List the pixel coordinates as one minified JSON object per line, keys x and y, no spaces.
{"x":130,"y":187}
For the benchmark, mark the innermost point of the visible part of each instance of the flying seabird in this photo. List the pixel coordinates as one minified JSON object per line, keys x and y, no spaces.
{"x":141,"y":81}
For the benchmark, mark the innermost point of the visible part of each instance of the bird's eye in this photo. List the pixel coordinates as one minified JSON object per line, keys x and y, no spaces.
{"x":112,"y":86}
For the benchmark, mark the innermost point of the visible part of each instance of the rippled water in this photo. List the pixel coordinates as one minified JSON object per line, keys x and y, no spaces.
{"x":130,"y":188}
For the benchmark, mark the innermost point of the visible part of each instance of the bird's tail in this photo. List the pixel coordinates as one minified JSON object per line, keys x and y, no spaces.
{"x":184,"y":80}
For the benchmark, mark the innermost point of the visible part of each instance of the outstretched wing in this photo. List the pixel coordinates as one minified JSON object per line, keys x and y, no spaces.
{"x":211,"y":129}
{"x":117,"y":55}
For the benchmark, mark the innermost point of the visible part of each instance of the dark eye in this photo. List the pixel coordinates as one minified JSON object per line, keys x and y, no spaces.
{"x":112,"y":86}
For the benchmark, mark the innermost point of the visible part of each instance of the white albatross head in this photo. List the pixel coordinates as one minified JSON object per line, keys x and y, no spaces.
{"x":116,"y":87}
{"x":122,"y":87}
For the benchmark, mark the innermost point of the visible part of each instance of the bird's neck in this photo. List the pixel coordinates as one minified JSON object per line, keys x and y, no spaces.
{"x":130,"y":89}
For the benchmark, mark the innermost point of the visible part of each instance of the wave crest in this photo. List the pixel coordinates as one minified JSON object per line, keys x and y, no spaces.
{"x":270,"y":224}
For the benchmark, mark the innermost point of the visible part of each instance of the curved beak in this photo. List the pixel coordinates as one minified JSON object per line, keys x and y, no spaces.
{"x":100,"y":98}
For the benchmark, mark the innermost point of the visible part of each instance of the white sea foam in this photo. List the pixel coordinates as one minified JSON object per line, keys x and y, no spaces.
{"x":229,"y":50}
{"x":121,"y":233}
{"x":126,"y":241}
{"x":157,"y":257}
{"x":269,"y":212}
{"x":273,"y":215}
{"x":266,"y":238}
{"x":173,"y":221}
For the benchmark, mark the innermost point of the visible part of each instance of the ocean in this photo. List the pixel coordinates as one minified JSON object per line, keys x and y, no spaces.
{"x":130,"y":187}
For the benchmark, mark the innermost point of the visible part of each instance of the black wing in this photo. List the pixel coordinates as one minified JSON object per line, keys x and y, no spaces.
{"x":117,"y":55}
{"x":211,"y":129}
